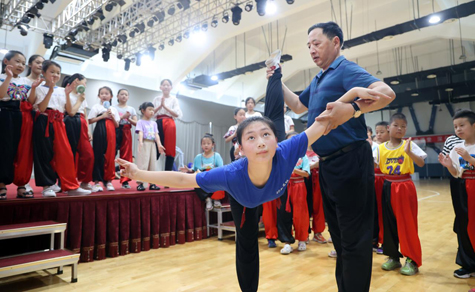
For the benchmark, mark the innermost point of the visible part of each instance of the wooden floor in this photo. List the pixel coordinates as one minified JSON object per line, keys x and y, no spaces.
{"x":208,"y":265}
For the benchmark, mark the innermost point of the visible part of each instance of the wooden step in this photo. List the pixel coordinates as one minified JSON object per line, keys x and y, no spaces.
{"x":30,"y":229}
{"x":21,"y":264}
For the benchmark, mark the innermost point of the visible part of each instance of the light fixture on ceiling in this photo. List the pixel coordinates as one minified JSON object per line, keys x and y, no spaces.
{"x":236,"y":11}
{"x":388,"y":37}
{"x":214,"y":22}
{"x":394,"y":82}
{"x":214,"y":78}
{"x":431,"y":76}
{"x":415,"y":94}
{"x":249,"y":6}
{"x":261,"y":7}
{"x":449,"y":89}
{"x":434,"y":19}
{"x":225,"y":18}
{"x":271,"y":8}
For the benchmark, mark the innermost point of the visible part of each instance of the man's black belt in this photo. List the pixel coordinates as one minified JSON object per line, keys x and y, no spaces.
{"x":343,"y":150}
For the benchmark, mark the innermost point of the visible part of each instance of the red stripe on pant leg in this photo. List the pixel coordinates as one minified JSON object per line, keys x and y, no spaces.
{"x":169,"y":129}
{"x":109,"y":164}
{"x":298,"y":197}
{"x":378,"y":186}
{"x":470,"y":186}
{"x":404,"y":203}
{"x":24,"y":157}
{"x":126,"y":148}
{"x":85,"y":153}
{"x":63,"y":160}
{"x":318,"y":223}
{"x":269,"y":217}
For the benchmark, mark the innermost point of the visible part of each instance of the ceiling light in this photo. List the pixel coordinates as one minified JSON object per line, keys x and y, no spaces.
{"x":214,"y":78}
{"x":204,"y":26}
{"x":171,"y":10}
{"x":151,"y":52}
{"x":290,"y":2}
{"x":261,"y":7}
{"x":431,"y":76}
{"x":415,"y":94}
{"x":449,"y":89}
{"x":138,"y":59}
{"x":186,"y":34}
{"x":109,"y":6}
{"x":23,"y":29}
{"x":271,"y":8}
{"x":236,"y":11}
{"x":379,"y":72}
{"x":40,"y":5}
{"x":450,"y":20}
{"x":214,"y":22}
{"x":161,"y":46}
{"x":183,"y":4}
{"x":434,"y":19}
{"x":388,"y":37}
{"x":171,"y":42}
{"x":178,"y":38}
{"x":394,"y":82}
{"x":122,"y":38}
{"x":248,"y":6}
{"x":3,"y":51}
{"x":47,"y":40}
{"x":225,"y":18}
{"x":127,"y":64}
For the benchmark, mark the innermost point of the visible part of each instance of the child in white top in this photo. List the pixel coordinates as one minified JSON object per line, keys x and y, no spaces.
{"x":250,"y":104}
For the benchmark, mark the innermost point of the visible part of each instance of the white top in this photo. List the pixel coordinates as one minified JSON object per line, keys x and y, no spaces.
{"x":171,"y":102}
{"x":99,"y":109}
{"x":458,"y":162}
{"x":18,"y":89}
{"x":74,"y":98}
{"x":288,"y":122}
{"x":374,"y":146}
{"x":57,"y":100}
{"x":255,"y":114}
{"x":414,"y":148}
{"x":450,"y":143}
{"x":122,"y":111}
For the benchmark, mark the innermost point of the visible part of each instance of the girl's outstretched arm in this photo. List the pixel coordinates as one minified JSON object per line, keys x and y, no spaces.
{"x":164,"y":178}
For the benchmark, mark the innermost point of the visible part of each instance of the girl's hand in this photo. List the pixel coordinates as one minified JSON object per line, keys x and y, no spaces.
{"x":462,"y":152}
{"x":37,"y":82}
{"x":8,"y":71}
{"x":89,"y":135}
{"x":82,"y":97}
{"x":126,"y":116}
{"x":69,"y":88}
{"x":141,"y":147}
{"x":161,"y":149}
{"x":407,"y":148}
{"x":130,"y":169}
{"x":51,"y":86}
{"x":445,"y":160}
{"x":106,"y":114}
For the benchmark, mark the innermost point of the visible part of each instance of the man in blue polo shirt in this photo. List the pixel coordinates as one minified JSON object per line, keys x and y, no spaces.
{"x":346,"y":165}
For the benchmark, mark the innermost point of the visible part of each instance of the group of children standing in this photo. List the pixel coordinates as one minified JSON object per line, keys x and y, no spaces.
{"x":47,"y":126}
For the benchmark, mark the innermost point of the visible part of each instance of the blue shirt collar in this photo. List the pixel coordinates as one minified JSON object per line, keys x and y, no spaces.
{"x":333,"y":65}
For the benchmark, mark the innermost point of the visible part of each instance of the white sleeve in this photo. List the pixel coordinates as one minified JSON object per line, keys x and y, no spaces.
{"x":454,"y":156}
{"x":176,"y":108}
{"x":418,"y":151}
{"x":376,"y":155}
{"x":116,"y":114}
{"x":133,"y":112}
{"x":40,"y":95}
{"x":291,"y":122}
{"x":156,"y":102}
{"x":92,"y":113}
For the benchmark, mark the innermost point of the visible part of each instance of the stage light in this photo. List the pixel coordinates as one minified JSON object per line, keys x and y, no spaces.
{"x":122,"y":38}
{"x":237,"y":11}
{"x":23,"y":29}
{"x":52,"y":1}
{"x":44,"y":1}
{"x":261,"y":7}
{"x":225,"y":18}
{"x":214,"y":22}
{"x":171,"y":42}
{"x":434,"y":19}
{"x":140,"y":27}
{"x":25,"y":19}
{"x":32,"y":12}
{"x":186,"y":34}
{"x":183,"y":4}
{"x":271,"y":8}
{"x":204,"y":26}
{"x":100,"y":14}
{"x":114,"y":43}
{"x":431,"y":76}
{"x":138,"y":59}
{"x":127,"y":64}
{"x":171,"y":9}
{"x":91,"y":20}
{"x":178,"y":38}
{"x":47,"y":40}
{"x":132,"y":34}
{"x":119,"y":56}
{"x":151,"y":52}
{"x":196,"y":29}
{"x":290,"y":2}
{"x":249,"y":6}
{"x":161,"y":46}
{"x":214,"y":78}
{"x":157,"y":16}
{"x":109,"y":6}
{"x":39,"y":5}
{"x":106,"y":53}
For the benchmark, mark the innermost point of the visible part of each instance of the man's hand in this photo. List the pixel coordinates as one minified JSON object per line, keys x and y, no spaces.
{"x":337,"y":113}
{"x":130,"y":169}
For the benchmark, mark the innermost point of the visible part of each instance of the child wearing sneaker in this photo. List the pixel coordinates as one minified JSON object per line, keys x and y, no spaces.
{"x":396,"y":160}
{"x":107,"y":119}
{"x":382,"y":136}
{"x":293,"y":207}
{"x":460,"y":163}
{"x":318,"y":222}
{"x":204,"y":162}
{"x":147,"y":131}
{"x":128,"y":118}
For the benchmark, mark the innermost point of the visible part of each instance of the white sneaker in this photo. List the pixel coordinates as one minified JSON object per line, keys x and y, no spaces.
{"x":110,"y":187}
{"x":79,"y":192}
{"x":85,"y":186}
{"x":56,"y":188}
{"x":332,"y":254}
{"x":97,"y":188}
{"x":29,"y":188}
{"x":302,"y":246}
{"x":48,"y":192}
{"x":217,"y":204}
{"x":286,"y":249}
{"x":273,"y":61}
{"x":209,"y":204}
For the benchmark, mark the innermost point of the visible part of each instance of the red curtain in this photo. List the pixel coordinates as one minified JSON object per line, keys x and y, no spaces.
{"x":112,"y":225}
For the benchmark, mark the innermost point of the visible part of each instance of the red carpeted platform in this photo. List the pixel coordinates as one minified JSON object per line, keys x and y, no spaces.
{"x":108,"y":224}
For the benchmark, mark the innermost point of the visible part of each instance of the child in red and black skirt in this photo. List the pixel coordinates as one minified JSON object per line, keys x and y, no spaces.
{"x":52,"y":152}
{"x":77,"y":128}
{"x":128,"y":118}
{"x":104,"y":140}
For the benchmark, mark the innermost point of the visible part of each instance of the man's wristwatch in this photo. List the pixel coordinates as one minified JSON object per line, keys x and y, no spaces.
{"x":357,"y":113}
